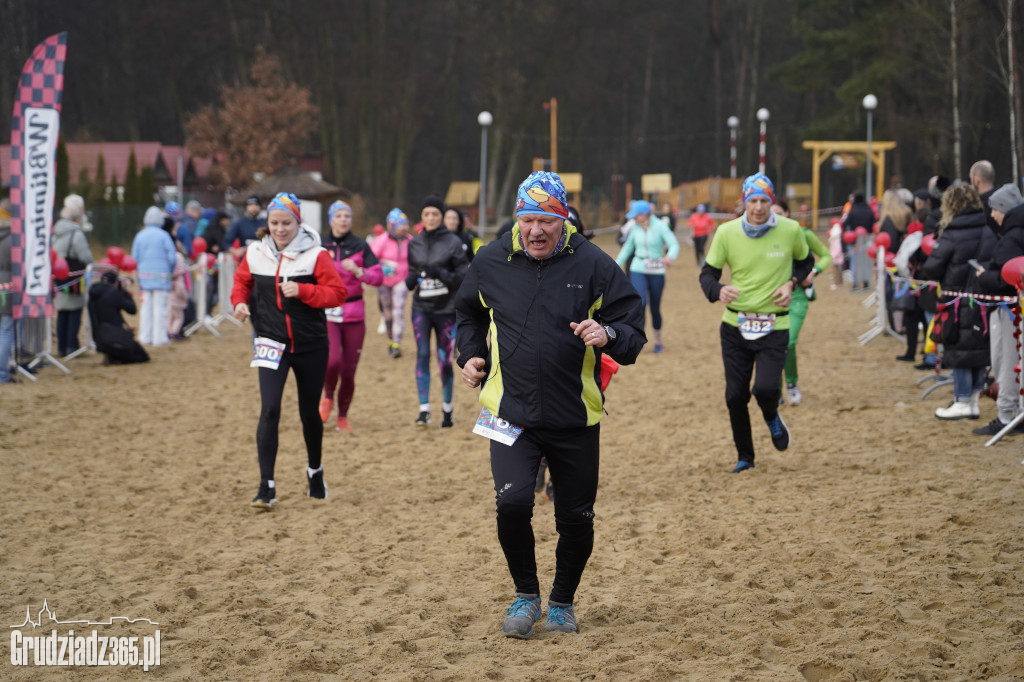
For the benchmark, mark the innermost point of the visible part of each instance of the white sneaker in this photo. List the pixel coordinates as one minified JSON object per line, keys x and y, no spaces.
{"x":382,"y":327}
{"x":957,"y":410}
{"x":793,"y":392}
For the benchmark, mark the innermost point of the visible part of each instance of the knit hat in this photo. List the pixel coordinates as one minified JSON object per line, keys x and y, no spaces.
{"x":1005,"y":199}
{"x":173,"y":209}
{"x":396,"y":218}
{"x":542,"y":193}
{"x":758,"y":185}
{"x":286,"y":201}
{"x":640,"y":207}
{"x":154,"y":216}
{"x":435,"y":201}
{"x":338,"y":206}
{"x":74,"y":207}
{"x":253,"y":200}
{"x":193,"y":206}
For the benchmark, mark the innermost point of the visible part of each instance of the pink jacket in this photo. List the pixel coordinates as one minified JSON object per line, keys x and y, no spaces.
{"x":354,"y":248}
{"x":393,"y":255}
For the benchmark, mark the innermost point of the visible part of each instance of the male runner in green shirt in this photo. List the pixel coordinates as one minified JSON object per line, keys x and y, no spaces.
{"x":766,"y":254}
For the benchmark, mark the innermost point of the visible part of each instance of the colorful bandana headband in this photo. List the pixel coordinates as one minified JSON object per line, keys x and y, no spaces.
{"x":338,"y":206}
{"x":285,"y":201}
{"x":758,"y":185}
{"x":173,"y":209}
{"x":396,"y":218}
{"x":542,"y":193}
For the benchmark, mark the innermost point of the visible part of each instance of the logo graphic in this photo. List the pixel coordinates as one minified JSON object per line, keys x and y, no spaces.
{"x":93,"y":649}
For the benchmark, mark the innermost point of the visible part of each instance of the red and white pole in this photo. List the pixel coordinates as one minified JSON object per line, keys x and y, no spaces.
{"x":762,"y":116}
{"x":734,"y":123}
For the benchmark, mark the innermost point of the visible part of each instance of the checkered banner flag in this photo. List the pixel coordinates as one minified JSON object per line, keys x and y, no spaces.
{"x":34,"y":130}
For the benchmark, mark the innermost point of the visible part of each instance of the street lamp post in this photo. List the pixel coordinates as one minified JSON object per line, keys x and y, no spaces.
{"x":485,"y":119}
{"x":762,"y":116}
{"x":734,"y":123}
{"x":870,"y":103}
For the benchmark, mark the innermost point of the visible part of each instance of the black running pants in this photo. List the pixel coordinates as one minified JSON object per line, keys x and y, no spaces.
{"x":309,"y":369}
{"x":573,"y":456}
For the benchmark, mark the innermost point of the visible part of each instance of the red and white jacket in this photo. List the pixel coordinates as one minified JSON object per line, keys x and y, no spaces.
{"x":297,"y":322}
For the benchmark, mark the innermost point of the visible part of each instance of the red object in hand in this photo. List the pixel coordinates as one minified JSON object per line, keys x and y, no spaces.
{"x":1013,"y":272}
{"x":128,"y":264}
{"x":60,"y":269}
{"x":915,"y":226}
{"x":198,"y":246}
{"x":608,"y":368}
{"x":115,"y":254}
{"x":849,"y":237}
{"x":883,"y":239}
{"x":928,"y":243}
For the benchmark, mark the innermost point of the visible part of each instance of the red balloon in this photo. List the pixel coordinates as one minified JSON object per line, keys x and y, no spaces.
{"x":872,"y":251}
{"x":883,"y":239}
{"x":60,"y":268}
{"x":53,"y":256}
{"x":915,"y":227}
{"x":874,"y":228}
{"x":115,"y":254}
{"x":1013,"y":272}
{"x":198,"y":245}
{"x":861,"y":231}
{"x":849,"y":237}
{"x":928,"y":243}
{"x":128,"y":264}
{"x":890,"y":259}
{"x":211,"y":260}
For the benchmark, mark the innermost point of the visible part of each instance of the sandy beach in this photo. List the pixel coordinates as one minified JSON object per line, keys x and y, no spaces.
{"x":883,"y":545}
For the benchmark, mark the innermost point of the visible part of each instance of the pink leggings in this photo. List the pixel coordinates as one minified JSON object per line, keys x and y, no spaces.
{"x":392,"y":303}
{"x":346,"y":339}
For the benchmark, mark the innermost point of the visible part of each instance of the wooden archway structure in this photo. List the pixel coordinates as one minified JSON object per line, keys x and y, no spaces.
{"x":824,"y":150}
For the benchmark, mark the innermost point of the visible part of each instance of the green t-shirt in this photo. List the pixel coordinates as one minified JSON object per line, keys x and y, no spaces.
{"x":758,"y":266}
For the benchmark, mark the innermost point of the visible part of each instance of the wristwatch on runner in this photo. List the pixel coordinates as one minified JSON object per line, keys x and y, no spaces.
{"x":610,"y":333}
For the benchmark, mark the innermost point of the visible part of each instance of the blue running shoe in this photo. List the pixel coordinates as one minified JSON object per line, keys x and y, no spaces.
{"x":520,"y":617}
{"x":780,"y":432}
{"x":561,"y":618}
{"x":742,"y":465}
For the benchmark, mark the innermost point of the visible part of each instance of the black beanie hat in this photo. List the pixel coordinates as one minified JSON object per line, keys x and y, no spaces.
{"x":435,"y":201}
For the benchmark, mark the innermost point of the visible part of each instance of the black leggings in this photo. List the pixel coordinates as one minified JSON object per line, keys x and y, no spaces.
{"x":739,"y":356}
{"x":309,"y":368}
{"x":573,"y":457}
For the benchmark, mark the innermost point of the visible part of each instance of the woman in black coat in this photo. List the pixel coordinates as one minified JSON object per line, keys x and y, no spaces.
{"x":963,"y":236}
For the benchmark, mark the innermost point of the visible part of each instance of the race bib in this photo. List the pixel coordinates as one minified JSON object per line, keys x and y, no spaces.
{"x":654,"y":266}
{"x":334,"y":314}
{"x":430,"y":287}
{"x":266,"y":353}
{"x":496,"y":428}
{"x":388,"y":267}
{"x":753,"y":326}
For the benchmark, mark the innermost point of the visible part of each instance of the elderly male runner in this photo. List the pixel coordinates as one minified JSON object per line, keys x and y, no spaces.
{"x":550,"y":303}
{"x":760,"y":248}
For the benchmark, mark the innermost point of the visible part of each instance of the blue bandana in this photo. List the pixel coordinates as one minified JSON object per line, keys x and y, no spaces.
{"x":542,"y":193}
{"x":286,"y":201}
{"x":755,"y":231}
{"x":336,"y":206}
{"x":395,"y":218}
{"x":758,"y":185}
